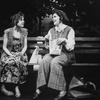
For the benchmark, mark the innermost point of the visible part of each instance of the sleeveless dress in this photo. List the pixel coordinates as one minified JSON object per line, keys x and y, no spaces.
{"x":14,"y":69}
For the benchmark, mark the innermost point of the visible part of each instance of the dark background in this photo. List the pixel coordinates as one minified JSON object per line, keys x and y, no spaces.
{"x":86,"y":22}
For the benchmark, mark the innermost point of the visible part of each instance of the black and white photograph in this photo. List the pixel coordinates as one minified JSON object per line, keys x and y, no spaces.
{"x":49,"y":49}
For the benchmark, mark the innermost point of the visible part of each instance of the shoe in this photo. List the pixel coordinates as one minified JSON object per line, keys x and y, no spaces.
{"x":36,"y":94}
{"x":17,"y":92}
{"x":60,"y":96}
{"x":6,"y":92}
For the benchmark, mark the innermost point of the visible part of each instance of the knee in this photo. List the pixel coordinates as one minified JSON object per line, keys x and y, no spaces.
{"x":54,"y":62}
{"x":55,"y":65}
{"x":46,"y":59}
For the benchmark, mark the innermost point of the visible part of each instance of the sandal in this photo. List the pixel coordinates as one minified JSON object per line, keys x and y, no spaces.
{"x":60,"y":96}
{"x":17,"y":92}
{"x":36,"y":94}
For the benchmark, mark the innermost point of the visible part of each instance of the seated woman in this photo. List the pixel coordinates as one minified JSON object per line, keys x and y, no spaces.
{"x":13,"y":69}
{"x":50,"y":73}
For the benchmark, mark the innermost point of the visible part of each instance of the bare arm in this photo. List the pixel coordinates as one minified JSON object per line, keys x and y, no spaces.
{"x":25,"y":46}
{"x":5,"y":40}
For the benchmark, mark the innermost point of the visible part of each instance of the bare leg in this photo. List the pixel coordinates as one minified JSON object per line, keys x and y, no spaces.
{"x":17,"y":92}
{"x":5,"y":91}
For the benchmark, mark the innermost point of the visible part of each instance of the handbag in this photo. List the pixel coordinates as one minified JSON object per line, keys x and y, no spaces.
{"x":78,"y":88}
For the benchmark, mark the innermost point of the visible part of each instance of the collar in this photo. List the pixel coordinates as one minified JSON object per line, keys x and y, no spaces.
{"x":60,"y":27}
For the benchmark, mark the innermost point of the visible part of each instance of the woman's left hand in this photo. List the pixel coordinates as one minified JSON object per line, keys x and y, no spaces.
{"x":60,"y":40}
{"x":19,"y":53}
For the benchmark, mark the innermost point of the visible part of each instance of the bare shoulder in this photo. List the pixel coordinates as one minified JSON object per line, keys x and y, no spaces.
{"x":7,"y":30}
{"x":24,"y":29}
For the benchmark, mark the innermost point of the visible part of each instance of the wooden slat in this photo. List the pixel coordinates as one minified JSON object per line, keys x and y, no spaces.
{"x":78,"y":51}
{"x":97,"y":65}
{"x":87,"y":45}
{"x":88,"y":51}
{"x":76,"y":38}
{"x":86,"y":64}
{"x":88,"y":39}
{"x":76,"y":46}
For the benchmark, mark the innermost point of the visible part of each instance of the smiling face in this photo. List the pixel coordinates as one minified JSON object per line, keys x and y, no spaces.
{"x":56,"y":19}
{"x":21,"y":22}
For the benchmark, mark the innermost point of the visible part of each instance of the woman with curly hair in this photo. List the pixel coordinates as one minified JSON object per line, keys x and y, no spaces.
{"x":13,"y":69}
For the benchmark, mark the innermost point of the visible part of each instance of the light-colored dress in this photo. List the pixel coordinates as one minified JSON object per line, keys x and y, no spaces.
{"x":14,"y":69}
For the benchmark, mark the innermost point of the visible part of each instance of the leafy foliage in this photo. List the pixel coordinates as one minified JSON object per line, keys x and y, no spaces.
{"x":44,"y":7}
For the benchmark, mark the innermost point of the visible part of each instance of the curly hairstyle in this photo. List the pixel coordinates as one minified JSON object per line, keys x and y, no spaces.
{"x":62,"y":15}
{"x":16,"y":17}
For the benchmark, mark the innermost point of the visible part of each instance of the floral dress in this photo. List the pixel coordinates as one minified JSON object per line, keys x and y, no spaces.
{"x":14,"y":69}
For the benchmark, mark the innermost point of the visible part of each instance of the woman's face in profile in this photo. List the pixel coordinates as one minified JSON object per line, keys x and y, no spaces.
{"x":56,"y":19}
{"x":21,"y":22}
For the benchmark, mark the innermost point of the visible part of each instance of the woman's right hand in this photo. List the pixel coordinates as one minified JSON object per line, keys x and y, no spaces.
{"x":12,"y":54}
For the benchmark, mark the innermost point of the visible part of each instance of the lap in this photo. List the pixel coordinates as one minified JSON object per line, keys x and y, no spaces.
{"x":56,"y":59}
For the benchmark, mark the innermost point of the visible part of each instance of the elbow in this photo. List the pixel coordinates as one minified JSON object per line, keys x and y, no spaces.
{"x":70,"y":47}
{"x":25,"y":48}
{"x":4,"y":48}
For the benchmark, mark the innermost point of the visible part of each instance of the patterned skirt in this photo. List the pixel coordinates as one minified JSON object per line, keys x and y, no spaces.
{"x":13,"y":69}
